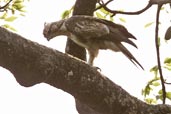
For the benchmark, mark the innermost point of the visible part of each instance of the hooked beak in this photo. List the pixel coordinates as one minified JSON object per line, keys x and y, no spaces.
{"x":46,"y":31}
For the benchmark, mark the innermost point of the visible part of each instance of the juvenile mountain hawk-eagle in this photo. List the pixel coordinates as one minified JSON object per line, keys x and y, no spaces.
{"x":93,"y":34}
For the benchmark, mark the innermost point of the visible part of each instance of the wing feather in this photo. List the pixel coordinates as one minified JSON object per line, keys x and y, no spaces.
{"x":119,"y":33}
{"x":91,"y":27}
{"x":86,"y":27}
{"x":119,"y":27}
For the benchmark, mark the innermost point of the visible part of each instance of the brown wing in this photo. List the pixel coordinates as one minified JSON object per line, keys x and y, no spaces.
{"x":86,"y":27}
{"x":119,"y":27}
{"x":119,"y":33}
{"x":91,"y":27}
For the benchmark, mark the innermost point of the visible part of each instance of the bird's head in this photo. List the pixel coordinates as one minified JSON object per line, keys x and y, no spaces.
{"x":53,"y":29}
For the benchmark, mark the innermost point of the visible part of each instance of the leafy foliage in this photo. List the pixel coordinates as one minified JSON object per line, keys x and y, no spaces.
{"x":148,"y":24}
{"x":67,"y":13}
{"x":100,"y":13}
{"x":11,"y":12}
{"x":103,"y":14}
{"x":153,"y":86}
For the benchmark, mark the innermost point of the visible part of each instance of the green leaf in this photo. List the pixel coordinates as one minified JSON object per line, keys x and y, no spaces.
{"x":168,"y":95}
{"x":4,"y":15}
{"x":10,"y":19}
{"x":9,"y":27}
{"x":160,"y":92}
{"x":65,"y":14}
{"x":18,"y":6}
{"x":21,"y":10}
{"x":99,"y":15}
{"x":150,"y":101}
{"x":13,"y":10}
{"x":167,"y":60}
{"x":148,"y":24}
{"x":156,"y":84}
{"x":167,"y":67}
{"x":104,"y":11}
{"x":155,"y":68}
{"x":122,"y":19}
{"x":147,"y":90}
{"x":22,"y":14}
{"x":153,"y":80}
{"x":18,"y":1}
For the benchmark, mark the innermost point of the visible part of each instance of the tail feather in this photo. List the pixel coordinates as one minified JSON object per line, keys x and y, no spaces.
{"x":129,"y":55}
{"x":131,"y":42}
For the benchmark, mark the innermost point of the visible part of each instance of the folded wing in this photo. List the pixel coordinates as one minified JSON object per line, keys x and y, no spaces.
{"x":86,"y":27}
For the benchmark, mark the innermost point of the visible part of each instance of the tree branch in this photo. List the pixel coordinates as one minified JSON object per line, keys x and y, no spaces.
{"x":104,"y":5}
{"x":3,"y":7}
{"x":32,"y":63}
{"x":158,"y":54}
{"x":82,"y":7}
{"x":150,"y":3}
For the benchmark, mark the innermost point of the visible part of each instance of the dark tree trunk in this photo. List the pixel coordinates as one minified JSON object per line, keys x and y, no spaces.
{"x":82,"y":7}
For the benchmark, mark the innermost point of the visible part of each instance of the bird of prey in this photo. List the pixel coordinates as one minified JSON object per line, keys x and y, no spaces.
{"x":93,"y":34}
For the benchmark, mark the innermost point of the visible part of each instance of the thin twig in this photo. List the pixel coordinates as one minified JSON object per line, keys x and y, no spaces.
{"x":167,"y":83}
{"x":104,"y":4}
{"x":158,"y":54}
{"x":121,"y":12}
{"x":5,"y":5}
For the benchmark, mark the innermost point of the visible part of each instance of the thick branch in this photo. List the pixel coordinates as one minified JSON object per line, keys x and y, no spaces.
{"x":32,"y":63}
{"x":82,"y":7}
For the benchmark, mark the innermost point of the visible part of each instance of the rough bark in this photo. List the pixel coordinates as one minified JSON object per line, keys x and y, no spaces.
{"x":32,"y":63}
{"x":82,"y":7}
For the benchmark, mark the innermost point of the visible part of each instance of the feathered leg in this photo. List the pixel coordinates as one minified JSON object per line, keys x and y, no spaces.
{"x":92,"y":54}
